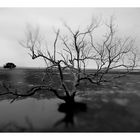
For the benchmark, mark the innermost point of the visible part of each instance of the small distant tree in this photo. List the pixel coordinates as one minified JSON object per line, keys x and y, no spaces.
{"x":9,"y":65}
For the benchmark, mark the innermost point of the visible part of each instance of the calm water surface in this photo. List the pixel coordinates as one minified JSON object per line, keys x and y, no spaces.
{"x":29,"y":114}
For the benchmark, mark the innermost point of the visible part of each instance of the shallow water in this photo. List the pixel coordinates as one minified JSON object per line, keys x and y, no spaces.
{"x":29,"y":115}
{"x":113,"y":107}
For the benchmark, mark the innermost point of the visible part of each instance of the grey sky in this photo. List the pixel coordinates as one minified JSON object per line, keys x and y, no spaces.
{"x":13,"y":22}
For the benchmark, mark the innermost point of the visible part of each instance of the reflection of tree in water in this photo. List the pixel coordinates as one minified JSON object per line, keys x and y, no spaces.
{"x":12,"y":127}
{"x":15,"y":127}
{"x":100,"y":117}
{"x":67,"y":120}
{"x":70,"y":111}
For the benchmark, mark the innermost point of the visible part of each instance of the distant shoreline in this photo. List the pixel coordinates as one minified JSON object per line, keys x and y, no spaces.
{"x":114,"y":71}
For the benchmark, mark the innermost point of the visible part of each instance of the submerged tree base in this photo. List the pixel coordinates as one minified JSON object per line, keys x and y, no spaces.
{"x":72,"y":107}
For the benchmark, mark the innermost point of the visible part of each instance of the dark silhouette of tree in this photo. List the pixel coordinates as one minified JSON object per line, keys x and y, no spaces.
{"x":9,"y":65}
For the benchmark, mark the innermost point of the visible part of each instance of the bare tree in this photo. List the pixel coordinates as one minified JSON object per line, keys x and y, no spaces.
{"x":77,"y":49}
{"x":72,"y":58}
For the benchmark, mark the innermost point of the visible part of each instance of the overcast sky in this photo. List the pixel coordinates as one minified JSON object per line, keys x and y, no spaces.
{"x":14,"y":20}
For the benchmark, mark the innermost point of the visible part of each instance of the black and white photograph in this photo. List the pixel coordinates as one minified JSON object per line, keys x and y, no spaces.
{"x":69,"y":69}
